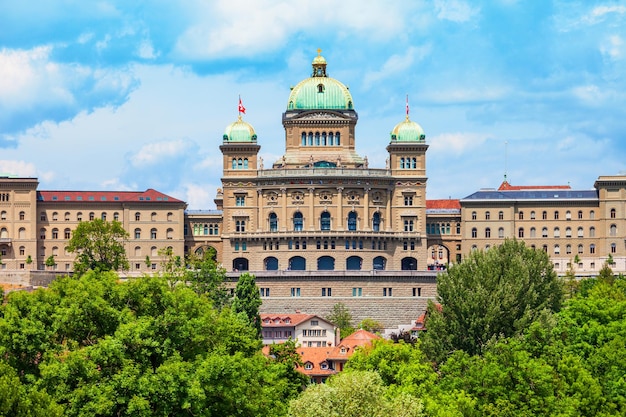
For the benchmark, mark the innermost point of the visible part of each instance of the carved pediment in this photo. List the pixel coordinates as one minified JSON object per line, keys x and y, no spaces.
{"x":321,"y":116}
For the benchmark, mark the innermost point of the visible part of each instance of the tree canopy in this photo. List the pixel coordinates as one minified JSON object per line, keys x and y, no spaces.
{"x":248,"y":300}
{"x":341,"y":317}
{"x":494,"y":293}
{"x":99,"y":246}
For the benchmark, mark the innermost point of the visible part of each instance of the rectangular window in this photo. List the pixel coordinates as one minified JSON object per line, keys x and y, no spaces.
{"x":314,"y":323}
{"x":417,"y":292}
{"x":265,"y":292}
{"x":387,"y":292}
{"x":357,"y":292}
{"x":408,"y":225}
{"x":240,"y":200}
{"x":295,"y":292}
{"x":408,"y":200}
{"x":327,"y":292}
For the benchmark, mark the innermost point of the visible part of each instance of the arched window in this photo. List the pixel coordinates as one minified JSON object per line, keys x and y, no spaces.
{"x":22,"y":233}
{"x":487,"y":232}
{"x":103,"y":216}
{"x":612,"y":213}
{"x":533,"y":232}
{"x":401,"y":163}
{"x":331,"y":139}
{"x":271,"y":264}
{"x":376,"y":222}
{"x":613,"y":230}
{"x":310,"y":138}
{"x":153,"y":216}
{"x":520,"y":232}
{"x":325,"y":263}
{"x":317,"y":138}
{"x":245,"y":163}
{"x":354,"y":263}
{"x":409,"y":264}
{"x":4,"y":233}
{"x":137,"y":250}
{"x":557,"y":250}
{"x":303,"y":139}
{"x":568,"y":232}
{"x":323,"y":138}
{"x":352,"y":220}
{"x":325,"y":221}
{"x":521,"y":215}
{"x":234,"y":163}
{"x":240,"y":264}
{"x":298,"y":221}
{"x":580,"y":232}
{"x":67,"y":233}
{"x":592,"y":231}
{"x":580,"y":249}
{"x":137,"y":216}
{"x":153,"y":233}
{"x":473,"y":215}
{"x":500,"y":215}
{"x":487,"y":215}
{"x":532,"y":215}
{"x":137,"y":233}
{"x":379,"y":263}
{"x":474,"y":232}
{"x":169,"y":234}
{"x":414,"y":163}
{"x":55,"y":233}
{"x":544,"y":232}
{"x":273,"y":222}
{"x":297,"y":263}
{"x":501,"y":232}
{"x":338,"y":138}
{"x":22,"y":215}
{"x":92,"y":216}
{"x":557,"y":231}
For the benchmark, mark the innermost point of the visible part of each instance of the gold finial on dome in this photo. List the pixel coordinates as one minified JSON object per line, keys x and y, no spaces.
{"x":319,"y":65}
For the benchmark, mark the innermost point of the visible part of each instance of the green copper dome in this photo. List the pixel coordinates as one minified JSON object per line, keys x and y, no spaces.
{"x":320,"y":91}
{"x":239,"y":131}
{"x":408,"y":131}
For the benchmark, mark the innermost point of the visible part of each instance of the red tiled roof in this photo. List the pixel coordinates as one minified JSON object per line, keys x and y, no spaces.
{"x":294,"y":319}
{"x":443,"y":204}
{"x":148,"y":196}
{"x":315,"y":356}
{"x":505,"y":186}
{"x":349,"y":344}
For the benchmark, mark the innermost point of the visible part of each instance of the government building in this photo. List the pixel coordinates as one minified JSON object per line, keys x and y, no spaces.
{"x":320,"y":226}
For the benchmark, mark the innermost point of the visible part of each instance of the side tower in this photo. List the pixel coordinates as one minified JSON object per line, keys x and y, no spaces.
{"x":240,"y":215}
{"x":407,"y":162}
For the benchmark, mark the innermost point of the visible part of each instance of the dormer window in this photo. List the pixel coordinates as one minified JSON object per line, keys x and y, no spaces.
{"x":308,"y":366}
{"x":320,"y":88}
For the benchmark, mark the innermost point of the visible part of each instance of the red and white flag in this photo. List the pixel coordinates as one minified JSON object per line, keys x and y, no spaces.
{"x":242,"y":109}
{"x":407,"y":105}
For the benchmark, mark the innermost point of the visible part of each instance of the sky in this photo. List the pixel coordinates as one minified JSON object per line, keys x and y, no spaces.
{"x":131,"y":95}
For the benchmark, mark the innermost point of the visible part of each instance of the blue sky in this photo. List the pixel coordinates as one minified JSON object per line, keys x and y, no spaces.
{"x":129,"y":95}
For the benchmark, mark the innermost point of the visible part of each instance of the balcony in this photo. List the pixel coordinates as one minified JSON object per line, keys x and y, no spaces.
{"x":325,"y":234}
{"x":308,"y":173}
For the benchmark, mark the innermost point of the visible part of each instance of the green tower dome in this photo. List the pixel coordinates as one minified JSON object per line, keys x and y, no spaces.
{"x":239,"y":131}
{"x":320,"y":92}
{"x":408,"y":131}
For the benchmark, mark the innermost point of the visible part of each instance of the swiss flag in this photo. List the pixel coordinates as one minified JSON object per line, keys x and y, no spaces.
{"x":242,"y":109}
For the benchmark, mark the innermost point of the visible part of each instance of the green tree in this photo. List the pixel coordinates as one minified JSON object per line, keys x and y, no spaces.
{"x":354,"y":394}
{"x":248,"y":300}
{"x":205,"y":276}
{"x":50,"y":262}
{"x":99,"y":246}
{"x":492,"y":294}
{"x":19,"y":400}
{"x":341,"y":317}
{"x":371,"y":325}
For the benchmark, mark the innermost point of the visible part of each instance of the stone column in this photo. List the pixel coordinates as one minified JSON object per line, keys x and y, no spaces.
{"x":282,"y":222}
{"x":259,"y":209}
{"x":366,"y":208}
{"x":311,"y":220}
{"x":339,"y":209}
{"x":388,"y":212}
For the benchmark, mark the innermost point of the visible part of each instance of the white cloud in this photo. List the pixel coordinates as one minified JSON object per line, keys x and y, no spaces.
{"x":455,"y":10}
{"x":146,"y":50}
{"x":600,"y":13}
{"x":18,"y":168}
{"x":199,"y":196}
{"x":154,"y":153}
{"x":456,"y":143}
{"x":398,"y":63}
{"x":613,"y":48}
{"x":226,"y":29}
